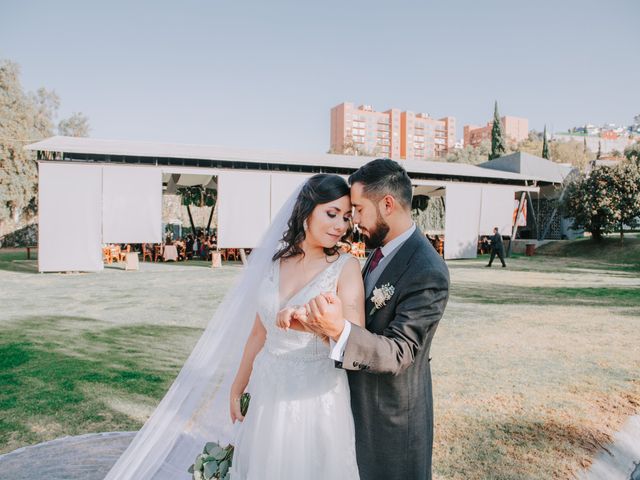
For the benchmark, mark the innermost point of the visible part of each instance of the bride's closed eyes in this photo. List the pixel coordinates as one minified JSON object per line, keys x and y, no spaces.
{"x":333,"y":215}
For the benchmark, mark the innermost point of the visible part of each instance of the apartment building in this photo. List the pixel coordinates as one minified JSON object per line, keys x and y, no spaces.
{"x":515,"y":130}
{"x":392,"y":133}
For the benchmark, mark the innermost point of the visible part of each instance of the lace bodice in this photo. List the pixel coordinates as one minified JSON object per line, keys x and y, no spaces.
{"x":293,"y":344}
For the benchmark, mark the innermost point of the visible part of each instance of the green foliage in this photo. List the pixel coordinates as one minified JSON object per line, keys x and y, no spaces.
{"x":77,"y":125}
{"x":632,"y":152}
{"x":572,"y":152}
{"x":197,"y":196}
{"x":349,"y":147}
{"x":627,"y":176}
{"x":605,"y":200}
{"x":470,"y":155}
{"x":498,"y":144}
{"x":215,"y":461}
{"x":24,"y":118}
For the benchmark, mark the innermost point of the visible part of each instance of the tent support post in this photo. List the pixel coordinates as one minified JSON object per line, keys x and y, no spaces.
{"x":515,"y":224}
{"x":193,"y":226}
{"x":533,"y":213}
{"x":213,"y":207}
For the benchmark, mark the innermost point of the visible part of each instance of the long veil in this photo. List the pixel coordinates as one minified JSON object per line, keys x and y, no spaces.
{"x":195,"y":410}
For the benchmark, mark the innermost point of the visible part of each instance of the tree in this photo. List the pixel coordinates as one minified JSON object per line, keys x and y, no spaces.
{"x":632,"y":152}
{"x":545,"y":145}
{"x":24,"y":118}
{"x":627,"y":176}
{"x":589,"y":202}
{"x":605,"y":201}
{"x":571,"y":152}
{"x":77,"y":125}
{"x":349,"y":147}
{"x":599,"y":154}
{"x":470,"y":155}
{"x":498,"y":144}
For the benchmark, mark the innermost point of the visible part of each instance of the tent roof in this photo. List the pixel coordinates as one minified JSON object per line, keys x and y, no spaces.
{"x":530,"y":166}
{"x":71,"y":145}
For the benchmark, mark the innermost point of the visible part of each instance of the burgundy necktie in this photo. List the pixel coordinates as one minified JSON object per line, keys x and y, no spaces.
{"x":375,"y":260}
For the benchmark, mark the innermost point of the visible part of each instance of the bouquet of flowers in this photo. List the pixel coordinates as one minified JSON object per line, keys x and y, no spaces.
{"x":214,"y":461}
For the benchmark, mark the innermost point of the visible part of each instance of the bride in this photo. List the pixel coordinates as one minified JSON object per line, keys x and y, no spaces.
{"x":299,"y":423}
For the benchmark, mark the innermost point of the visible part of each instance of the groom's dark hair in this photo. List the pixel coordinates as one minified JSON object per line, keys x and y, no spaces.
{"x":382,"y":177}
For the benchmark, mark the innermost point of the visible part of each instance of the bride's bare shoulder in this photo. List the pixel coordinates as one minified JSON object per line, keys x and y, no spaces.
{"x":350,"y":268}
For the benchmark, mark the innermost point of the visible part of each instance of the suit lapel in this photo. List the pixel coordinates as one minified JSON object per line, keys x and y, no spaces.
{"x":394,"y":270}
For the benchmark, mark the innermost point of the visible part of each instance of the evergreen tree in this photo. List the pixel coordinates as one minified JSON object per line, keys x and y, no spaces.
{"x":545,"y":145}
{"x":498,"y":145}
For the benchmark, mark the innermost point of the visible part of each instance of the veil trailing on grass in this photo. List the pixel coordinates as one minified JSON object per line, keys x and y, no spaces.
{"x":195,"y":410}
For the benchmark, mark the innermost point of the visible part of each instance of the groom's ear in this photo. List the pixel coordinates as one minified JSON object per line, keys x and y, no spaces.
{"x":388,"y":204}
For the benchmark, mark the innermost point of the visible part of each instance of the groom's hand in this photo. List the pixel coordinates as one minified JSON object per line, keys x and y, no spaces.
{"x":324,"y":314}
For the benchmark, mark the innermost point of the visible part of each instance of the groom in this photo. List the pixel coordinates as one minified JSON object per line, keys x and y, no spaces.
{"x":388,"y":361}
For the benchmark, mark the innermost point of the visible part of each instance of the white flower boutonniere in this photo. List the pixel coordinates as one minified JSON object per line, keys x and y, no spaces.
{"x":381,"y":296}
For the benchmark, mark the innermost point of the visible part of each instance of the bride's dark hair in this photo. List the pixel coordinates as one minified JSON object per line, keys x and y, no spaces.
{"x":319,"y":189}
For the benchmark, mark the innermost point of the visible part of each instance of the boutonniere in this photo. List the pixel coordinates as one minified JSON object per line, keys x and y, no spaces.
{"x":381,"y":295}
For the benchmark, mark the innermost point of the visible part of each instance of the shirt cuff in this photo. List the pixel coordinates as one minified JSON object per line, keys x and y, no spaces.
{"x":337,"y":348}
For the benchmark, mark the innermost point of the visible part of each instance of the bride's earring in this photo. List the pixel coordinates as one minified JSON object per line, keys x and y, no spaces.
{"x":305,"y":225}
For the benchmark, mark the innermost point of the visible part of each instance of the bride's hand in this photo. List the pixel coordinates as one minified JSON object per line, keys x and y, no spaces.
{"x":284,"y":317}
{"x":300,"y":314}
{"x":234,"y":407}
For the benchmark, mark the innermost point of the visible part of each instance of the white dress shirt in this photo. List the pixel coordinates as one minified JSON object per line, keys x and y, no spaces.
{"x":388,"y":251}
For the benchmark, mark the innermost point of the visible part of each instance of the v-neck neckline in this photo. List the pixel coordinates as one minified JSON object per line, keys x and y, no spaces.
{"x":282,"y":305}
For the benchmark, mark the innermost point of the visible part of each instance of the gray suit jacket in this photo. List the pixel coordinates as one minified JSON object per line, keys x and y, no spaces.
{"x":388,"y":366}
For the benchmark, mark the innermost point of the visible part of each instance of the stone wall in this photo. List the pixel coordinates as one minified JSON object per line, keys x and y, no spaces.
{"x":23,"y":237}
{"x":172,"y":209}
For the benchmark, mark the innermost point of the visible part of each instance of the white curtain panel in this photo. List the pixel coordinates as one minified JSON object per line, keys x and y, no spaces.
{"x":131,"y":204}
{"x":462,"y":217}
{"x":496,"y":209}
{"x":282,"y":186}
{"x":69,"y":217}
{"x":244,"y":211}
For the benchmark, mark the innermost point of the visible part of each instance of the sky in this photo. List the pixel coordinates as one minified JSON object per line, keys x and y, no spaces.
{"x":265,"y":74}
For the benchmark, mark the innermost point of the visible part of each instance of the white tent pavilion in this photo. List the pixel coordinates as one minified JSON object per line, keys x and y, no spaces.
{"x":110,"y":191}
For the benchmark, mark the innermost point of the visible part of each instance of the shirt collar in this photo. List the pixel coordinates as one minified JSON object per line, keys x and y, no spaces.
{"x":399,"y":240}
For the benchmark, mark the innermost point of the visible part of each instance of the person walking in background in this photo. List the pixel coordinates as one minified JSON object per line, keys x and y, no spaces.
{"x":497,"y":248}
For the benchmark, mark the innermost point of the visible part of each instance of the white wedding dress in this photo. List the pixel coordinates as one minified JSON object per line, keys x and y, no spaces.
{"x":299,"y":424}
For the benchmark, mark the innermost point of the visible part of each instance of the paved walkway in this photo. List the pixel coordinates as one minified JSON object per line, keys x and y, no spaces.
{"x":85,"y":457}
{"x":621,"y":459}
{"x":89,"y":457}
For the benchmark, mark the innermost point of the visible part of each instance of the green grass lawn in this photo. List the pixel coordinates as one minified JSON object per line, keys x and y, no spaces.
{"x":59,"y":374}
{"x":611,"y":253}
{"x":534,"y":366}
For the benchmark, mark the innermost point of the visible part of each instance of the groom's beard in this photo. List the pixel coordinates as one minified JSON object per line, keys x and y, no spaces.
{"x":378,"y":234}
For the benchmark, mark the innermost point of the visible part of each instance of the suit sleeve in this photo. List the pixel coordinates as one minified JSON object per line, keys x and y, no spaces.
{"x":417,"y":314}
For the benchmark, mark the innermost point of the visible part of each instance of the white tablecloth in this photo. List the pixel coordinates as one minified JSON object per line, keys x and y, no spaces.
{"x":131,"y":261}
{"x":170,"y":253}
